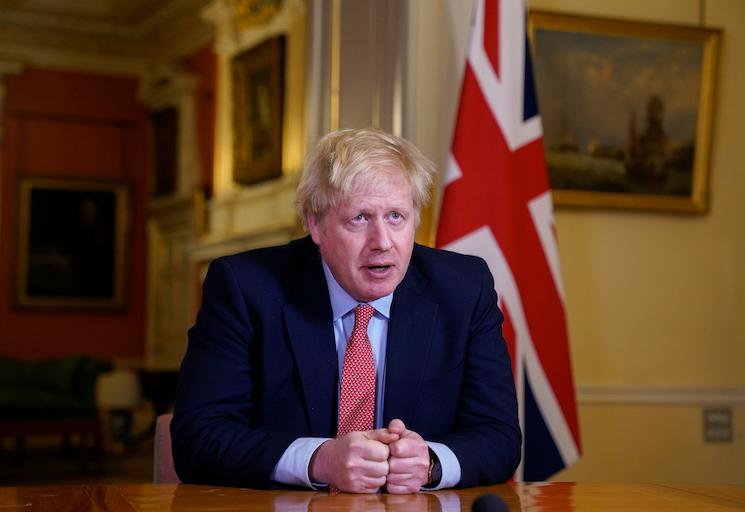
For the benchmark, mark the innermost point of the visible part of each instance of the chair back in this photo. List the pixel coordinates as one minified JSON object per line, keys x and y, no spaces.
{"x":163,"y":470}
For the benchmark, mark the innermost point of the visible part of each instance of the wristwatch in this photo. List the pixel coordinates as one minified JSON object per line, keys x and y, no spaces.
{"x":434,"y":475}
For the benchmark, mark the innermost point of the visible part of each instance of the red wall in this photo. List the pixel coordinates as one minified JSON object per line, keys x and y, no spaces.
{"x":80,"y":126}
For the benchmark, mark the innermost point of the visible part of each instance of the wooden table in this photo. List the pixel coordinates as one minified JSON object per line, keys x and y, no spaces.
{"x":545,"y":497}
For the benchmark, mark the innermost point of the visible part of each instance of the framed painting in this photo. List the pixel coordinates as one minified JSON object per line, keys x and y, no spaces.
{"x":626,"y":109}
{"x":258,"y":100}
{"x":71,"y":247}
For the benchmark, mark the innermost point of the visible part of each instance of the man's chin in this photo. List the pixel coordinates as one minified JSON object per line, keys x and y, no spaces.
{"x":378,"y":290}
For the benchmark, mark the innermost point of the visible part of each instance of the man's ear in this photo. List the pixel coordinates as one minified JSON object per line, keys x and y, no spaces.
{"x":314,"y":227}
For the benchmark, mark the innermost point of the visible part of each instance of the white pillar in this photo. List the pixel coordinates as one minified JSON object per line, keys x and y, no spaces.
{"x":171,"y":225}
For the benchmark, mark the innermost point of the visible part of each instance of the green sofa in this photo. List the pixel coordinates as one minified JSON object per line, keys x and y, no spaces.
{"x":49,"y":388}
{"x":52,"y":397}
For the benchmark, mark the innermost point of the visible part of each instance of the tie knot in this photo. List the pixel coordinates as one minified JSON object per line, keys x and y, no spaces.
{"x":362,"y":315}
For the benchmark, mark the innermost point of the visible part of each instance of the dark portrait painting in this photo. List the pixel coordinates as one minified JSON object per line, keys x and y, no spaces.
{"x":71,"y":246}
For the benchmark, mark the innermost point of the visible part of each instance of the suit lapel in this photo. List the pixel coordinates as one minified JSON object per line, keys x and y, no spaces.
{"x":413,"y":315}
{"x":308,"y":320}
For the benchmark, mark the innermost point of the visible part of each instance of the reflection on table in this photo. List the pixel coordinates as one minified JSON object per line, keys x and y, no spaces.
{"x":545,"y":497}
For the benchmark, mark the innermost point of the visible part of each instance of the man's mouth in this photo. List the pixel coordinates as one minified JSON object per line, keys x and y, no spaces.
{"x":378,"y":268}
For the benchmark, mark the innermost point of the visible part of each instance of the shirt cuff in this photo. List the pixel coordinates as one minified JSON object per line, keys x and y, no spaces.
{"x":450,"y":466}
{"x":293,"y":467}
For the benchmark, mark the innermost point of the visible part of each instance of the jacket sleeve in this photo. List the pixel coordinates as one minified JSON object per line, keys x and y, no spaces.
{"x":213,"y":439}
{"x":486,"y":436}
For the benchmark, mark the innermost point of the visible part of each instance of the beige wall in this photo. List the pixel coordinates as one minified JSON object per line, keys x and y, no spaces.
{"x":656,"y":301}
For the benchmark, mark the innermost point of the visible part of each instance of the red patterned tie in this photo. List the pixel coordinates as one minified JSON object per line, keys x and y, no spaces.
{"x":357,"y":398}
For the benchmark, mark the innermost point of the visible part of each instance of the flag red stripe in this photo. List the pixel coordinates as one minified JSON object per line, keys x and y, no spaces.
{"x":491,"y":35}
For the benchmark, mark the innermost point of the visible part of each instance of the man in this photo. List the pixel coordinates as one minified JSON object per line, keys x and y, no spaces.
{"x":352,"y":358}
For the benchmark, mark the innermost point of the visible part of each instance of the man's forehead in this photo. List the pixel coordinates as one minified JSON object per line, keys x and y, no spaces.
{"x":377,"y":195}
{"x":389,"y":179}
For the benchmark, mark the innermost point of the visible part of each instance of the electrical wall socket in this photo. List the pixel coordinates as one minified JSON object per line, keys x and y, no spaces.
{"x":718,"y":425}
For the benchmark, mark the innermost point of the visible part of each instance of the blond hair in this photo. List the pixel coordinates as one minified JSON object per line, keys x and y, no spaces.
{"x":345,"y":159}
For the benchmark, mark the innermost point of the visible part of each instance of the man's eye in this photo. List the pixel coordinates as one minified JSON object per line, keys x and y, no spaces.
{"x":395,"y":215}
{"x":358,"y":218}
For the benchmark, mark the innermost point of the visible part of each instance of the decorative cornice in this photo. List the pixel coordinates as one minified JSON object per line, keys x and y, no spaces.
{"x":170,"y":11}
{"x":37,"y":21}
{"x":60,"y":58}
{"x":172,"y":30}
{"x":233,"y":35}
{"x":252,"y":13}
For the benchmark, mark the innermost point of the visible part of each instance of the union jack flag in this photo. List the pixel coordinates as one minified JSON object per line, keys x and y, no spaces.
{"x":497,"y":204}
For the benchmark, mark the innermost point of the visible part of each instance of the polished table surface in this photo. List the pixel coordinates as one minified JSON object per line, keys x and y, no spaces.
{"x":544,"y":497}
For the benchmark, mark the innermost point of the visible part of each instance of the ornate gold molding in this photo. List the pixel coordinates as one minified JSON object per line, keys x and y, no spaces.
{"x":252,"y":13}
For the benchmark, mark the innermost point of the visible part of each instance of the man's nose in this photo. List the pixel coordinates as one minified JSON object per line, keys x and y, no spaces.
{"x":380,"y":236}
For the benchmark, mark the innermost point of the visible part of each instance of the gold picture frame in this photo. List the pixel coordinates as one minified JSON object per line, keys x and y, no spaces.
{"x":258,"y":109}
{"x":627,"y":110}
{"x":71,"y":244}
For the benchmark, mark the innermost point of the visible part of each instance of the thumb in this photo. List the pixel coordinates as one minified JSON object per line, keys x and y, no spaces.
{"x":397,"y":426}
{"x":382,"y":435}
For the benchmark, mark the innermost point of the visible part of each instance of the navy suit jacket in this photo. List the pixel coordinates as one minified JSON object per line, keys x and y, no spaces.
{"x":261,"y":366}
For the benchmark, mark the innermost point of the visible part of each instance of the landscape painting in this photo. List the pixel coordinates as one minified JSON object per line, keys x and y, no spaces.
{"x":626,"y":110}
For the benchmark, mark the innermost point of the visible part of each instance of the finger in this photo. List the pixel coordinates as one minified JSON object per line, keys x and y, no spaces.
{"x":401,"y":466}
{"x":358,"y":488}
{"x":397,"y":426}
{"x":410,"y":467}
{"x":360,"y":445}
{"x":358,"y":475}
{"x":374,"y":483}
{"x":363,"y":483}
{"x":371,"y":469}
{"x":400,"y":449}
{"x":399,"y":477}
{"x":409,"y":447}
{"x":409,"y":480}
{"x":374,"y":451}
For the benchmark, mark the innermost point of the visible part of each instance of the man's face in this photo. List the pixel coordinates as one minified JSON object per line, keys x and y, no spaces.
{"x":367,"y":240}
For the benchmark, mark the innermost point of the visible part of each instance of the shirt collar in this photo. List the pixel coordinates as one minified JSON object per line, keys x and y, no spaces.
{"x":342,"y":302}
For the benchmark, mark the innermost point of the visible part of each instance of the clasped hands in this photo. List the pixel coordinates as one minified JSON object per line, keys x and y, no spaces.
{"x":363,"y":462}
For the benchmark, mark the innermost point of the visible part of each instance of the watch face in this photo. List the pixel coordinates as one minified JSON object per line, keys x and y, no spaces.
{"x":435,"y":469}
{"x":436,"y":473}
